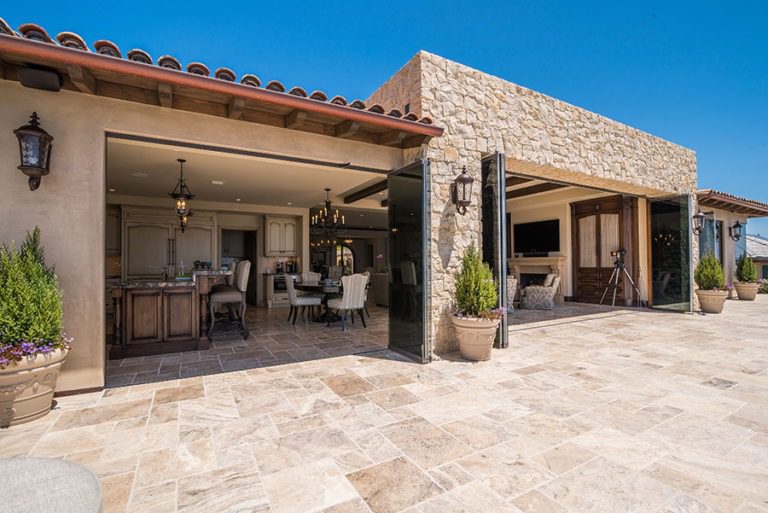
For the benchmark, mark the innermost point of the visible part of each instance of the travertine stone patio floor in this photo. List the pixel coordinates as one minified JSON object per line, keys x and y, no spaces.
{"x":633,"y":412}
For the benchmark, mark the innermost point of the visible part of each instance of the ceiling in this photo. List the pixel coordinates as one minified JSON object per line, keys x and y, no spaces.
{"x":149,"y":169}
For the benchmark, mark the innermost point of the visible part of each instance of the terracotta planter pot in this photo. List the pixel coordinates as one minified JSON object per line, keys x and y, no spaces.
{"x":475,"y":337}
{"x":26,"y":388}
{"x":747,"y":291}
{"x":712,"y":301}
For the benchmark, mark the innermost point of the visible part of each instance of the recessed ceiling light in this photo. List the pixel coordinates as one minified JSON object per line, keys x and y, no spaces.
{"x":111,"y":190}
{"x":140,"y":174}
{"x":370,"y":227}
{"x":217,"y":182}
{"x":237,"y":199}
{"x":381,"y":194}
{"x":290,"y":203}
{"x":361,"y":215}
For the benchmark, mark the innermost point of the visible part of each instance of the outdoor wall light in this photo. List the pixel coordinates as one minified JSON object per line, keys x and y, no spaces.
{"x":461,"y":191}
{"x":735,"y":231}
{"x":698,"y":221}
{"x":35,"y":151}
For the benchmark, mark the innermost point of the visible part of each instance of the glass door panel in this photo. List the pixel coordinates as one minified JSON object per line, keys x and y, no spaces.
{"x":494,"y":217}
{"x":408,"y":236}
{"x":670,"y":232}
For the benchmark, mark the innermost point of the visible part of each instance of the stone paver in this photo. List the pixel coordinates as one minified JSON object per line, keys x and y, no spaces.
{"x":632,"y":411}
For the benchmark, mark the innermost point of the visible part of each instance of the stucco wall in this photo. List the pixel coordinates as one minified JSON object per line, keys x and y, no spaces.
{"x":69,"y":205}
{"x":484,"y":114}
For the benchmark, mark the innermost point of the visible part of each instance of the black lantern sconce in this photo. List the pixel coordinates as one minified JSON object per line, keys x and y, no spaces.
{"x":735,"y":231}
{"x":35,"y":151}
{"x":461,"y":191}
{"x":698,"y":221}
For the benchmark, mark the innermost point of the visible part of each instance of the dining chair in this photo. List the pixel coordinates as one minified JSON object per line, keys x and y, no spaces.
{"x":299,"y":301}
{"x":335,"y":272}
{"x":310,"y":277}
{"x":352,"y":299}
{"x":232,"y":296}
{"x":367,"y":275}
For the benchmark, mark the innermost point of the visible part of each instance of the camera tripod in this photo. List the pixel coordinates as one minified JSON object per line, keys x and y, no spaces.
{"x":613,"y":281}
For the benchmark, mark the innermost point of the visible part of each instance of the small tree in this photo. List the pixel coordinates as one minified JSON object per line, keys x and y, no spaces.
{"x":746,"y":271}
{"x":476,"y":292}
{"x":709,"y":274}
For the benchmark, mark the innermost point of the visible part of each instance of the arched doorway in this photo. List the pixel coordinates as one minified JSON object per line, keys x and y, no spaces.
{"x":345,"y":258}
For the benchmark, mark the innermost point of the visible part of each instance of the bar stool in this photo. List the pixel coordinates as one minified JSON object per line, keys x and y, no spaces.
{"x":233,"y":296}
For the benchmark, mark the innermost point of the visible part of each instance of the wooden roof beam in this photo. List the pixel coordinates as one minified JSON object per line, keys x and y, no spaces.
{"x":295,"y":118}
{"x":516,"y":180}
{"x":385,"y":203}
{"x":82,"y":79}
{"x":235,"y":108}
{"x":165,"y":95}
{"x":392,"y":138}
{"x":534,"y":189}
{"x":347,"y":128}
{"x":364,"y":193}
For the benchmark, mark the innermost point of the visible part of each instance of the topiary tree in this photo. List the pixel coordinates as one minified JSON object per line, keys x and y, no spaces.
{"x":709,"y":274}
{"x":476,"y":292}
{"x":30,"y":302}
{"x":746,"y":271}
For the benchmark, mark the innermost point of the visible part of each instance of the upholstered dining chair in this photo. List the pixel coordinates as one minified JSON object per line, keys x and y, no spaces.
{"x":310,"y":277}
{"x":299,"y":301}
{"x":367,"y":275}
{"x":352,"y":299}
{"x":232,"y":296}
{"x":335,"y":272}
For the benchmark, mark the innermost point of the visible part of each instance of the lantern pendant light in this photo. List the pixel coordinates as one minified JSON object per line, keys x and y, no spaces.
{"x":182,"y":195}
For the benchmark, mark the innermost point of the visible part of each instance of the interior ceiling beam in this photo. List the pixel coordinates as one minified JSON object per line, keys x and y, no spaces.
{"x":82,"y":79}
{"x":347,"y":129}
{"x":516,"y":180}
{"x":165,"y":95}
{"x":385,"y":203}
{"x":364,"y":193}
{"x":235,"y":108}
{"x":534,"y":189}
{"x":295,"y":118}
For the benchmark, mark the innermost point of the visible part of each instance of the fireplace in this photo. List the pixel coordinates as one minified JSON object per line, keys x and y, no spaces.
{"x":527,"y":279}
{"x":533,"y":270}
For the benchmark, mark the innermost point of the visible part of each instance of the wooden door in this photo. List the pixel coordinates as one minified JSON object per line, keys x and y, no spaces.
{"x":144,"y":313}
{"x":196,"y":243}
{"x":147,"y":249}
{"x":180,"y":317}
{"x":597,"y":231}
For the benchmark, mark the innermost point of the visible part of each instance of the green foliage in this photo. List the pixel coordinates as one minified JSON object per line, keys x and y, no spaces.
{"x":30,"y":299}
{"x":476,"y":293}
{"x":746,"y":271}
{"x":709,"y":274}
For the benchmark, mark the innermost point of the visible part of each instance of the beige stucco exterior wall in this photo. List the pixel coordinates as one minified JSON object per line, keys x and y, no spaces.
{"x":69,"y":205}
{"x":729,"y":246}
{"x":484,"y":114}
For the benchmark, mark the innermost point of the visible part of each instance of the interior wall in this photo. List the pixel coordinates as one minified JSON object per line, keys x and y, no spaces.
{"x":69,"y":207}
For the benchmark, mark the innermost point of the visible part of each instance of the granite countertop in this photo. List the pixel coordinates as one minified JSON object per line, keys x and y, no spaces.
{"x":148,"y":284}
{"x":211,"y":273}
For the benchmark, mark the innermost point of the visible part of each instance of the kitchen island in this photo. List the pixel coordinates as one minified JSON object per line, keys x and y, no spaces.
{"x":163,"y":316}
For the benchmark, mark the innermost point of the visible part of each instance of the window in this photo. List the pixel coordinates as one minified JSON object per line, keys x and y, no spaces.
{"x":765,"y":271}
{"x":345,"y":258}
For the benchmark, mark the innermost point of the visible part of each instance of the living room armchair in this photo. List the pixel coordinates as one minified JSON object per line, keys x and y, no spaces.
{"x":541,"y":297}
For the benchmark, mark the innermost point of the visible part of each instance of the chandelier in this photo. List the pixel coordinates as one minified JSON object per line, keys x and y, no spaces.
{"x":328,"y":222}
{"x":182,"y":195}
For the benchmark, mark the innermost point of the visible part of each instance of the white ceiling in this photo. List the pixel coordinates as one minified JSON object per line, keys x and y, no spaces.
{"x":148,"y":169}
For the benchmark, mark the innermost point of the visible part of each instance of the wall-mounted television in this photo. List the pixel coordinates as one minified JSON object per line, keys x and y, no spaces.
{"x":537,"y":239}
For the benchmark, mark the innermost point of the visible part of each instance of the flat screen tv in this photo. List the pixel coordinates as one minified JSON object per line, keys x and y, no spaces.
{"x":537,"y":238}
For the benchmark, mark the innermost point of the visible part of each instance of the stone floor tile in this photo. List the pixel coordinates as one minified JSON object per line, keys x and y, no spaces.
{"x":152,"y":499}
{"x":470,"y":498}
{"x":101,"y":414}
{"x":392,"y":398}
{"x":348,"y":384}
{"x":535,"y":502}
{"x":450,"y":476}
{"x":168,"y":464}
{"x":115,"y":492}
{"x":426,"y":444}
{"x":235,"y":488}
{"x":686,"y":504}
{"x":505,"y":471}
{"x":312,"y":487}
{"x":563,"y":458}
{"x":351,"y":506}
{"x":619,"y":447}
{"x":300,"y":448}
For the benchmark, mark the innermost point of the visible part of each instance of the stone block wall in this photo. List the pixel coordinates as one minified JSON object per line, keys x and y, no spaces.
{"x":483,"y":114}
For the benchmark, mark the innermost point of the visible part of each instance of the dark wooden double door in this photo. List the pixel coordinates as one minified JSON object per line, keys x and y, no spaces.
{"x":598,"y":230}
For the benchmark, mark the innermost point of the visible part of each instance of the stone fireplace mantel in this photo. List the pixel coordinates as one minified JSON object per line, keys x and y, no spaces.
{"x":542,"y":265}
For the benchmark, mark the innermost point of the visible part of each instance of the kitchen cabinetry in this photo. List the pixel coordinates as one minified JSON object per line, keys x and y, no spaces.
{"x":280,"y":236}
{"x":233,"y":243}
{"x":112,"y":231}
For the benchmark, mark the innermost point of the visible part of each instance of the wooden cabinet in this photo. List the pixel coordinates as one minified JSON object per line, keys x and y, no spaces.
{"x":147,"y":249}
{"x":143,"y":316}
{"x":280,"y":236}
{"x":196,"y":243}
{"x":112,"y":226}
{"x":233,"y":243}
{"x":180,"y":314}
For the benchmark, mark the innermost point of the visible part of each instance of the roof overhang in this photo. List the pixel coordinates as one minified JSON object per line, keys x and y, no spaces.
{"x":724,"y":201}
{"x":104,"y":75}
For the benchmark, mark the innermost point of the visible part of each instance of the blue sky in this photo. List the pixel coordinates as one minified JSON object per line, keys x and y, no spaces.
{"x":695,"y":73}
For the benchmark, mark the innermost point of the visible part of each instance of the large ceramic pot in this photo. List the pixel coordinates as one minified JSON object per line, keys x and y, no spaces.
{"x":475,"y":337}
{"x":747,"y":291}
{"x":26,"y":387}
{"x":712,"y":301}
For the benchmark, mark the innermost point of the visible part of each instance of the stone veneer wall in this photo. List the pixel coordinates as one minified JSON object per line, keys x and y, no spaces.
{"x":483,"y":114}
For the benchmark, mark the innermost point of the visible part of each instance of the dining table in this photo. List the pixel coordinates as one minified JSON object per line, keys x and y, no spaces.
{"x":327,"y":289}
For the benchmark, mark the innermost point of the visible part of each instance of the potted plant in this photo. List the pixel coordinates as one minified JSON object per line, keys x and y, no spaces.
{"x":32,"y":342}
{"x":709,"y":277}
{"x":475,"y":318}
{"x":746,"y":276}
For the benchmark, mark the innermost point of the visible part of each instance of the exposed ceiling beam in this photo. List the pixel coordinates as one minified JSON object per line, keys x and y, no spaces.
{"x":392,"y":138}
{"x":165,"y":95}
{"x":364,"y":193}
{"x":347,"y":128}
{"x":534,"y":189}
{"x":295,"y":118}
{"x":235,"y":108}
{"x":385,"y":203}
{"x":82,"y":79}
{"x":516,"y":180}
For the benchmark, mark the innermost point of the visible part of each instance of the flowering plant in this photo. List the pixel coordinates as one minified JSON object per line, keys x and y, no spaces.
{"x":30,"y":303}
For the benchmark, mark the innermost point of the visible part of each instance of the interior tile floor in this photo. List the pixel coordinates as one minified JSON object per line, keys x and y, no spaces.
{"x":639,"y":412}
{"x":272,"y":341}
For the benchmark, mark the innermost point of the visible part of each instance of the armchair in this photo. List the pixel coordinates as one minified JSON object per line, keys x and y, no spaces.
{"x":541,"y":297}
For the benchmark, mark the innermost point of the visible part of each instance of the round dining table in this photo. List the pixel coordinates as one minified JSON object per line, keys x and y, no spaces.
{"x":327,"y":290}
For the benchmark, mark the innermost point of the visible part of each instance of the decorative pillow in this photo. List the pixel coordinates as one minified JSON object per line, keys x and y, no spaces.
{"x":549,"y":279}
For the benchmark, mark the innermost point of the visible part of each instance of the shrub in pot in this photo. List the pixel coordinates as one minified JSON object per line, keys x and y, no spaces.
{"x":746,"y":276}
{"x":32,"y":342}
{"x":476,"y":316}
{"x":709,"y":277}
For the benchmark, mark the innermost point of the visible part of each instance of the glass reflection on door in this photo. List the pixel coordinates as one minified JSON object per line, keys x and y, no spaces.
{"x":671,"y":253}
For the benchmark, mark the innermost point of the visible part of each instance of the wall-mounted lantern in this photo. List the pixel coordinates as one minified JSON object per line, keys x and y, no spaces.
{"x":461,"y":191}
{"x":735,"y":231}
{"x":35,"y":151}
{"x":698,"y":222}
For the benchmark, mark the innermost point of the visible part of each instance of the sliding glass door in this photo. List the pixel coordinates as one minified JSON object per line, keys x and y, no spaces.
{"x":409,"y":292}
{"x":494,"y":220}
{"x":670,"y":240}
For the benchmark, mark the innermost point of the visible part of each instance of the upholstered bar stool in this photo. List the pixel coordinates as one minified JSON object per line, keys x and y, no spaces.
{"x":232,"y":296}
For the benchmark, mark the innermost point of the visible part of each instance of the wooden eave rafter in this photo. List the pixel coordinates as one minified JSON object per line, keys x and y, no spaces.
{"x":534,"y":189}
{"x":715,"y":199}
{"x":364,"y":193}
{"x":102,"y":75}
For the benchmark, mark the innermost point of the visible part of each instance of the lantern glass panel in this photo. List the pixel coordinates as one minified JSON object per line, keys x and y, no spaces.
{"x":31,"y":154}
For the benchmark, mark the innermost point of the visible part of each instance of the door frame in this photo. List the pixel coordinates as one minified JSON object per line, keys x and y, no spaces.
{"x":499,"y":220}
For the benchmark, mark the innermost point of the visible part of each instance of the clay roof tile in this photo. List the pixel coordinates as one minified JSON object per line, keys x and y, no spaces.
{"x":225,"y":74}
{"x":411,"y":117}
{"x":319,"y":96}
{"x":425,"y":120}
{"x":274,"y":85}
{"x":138,"y":55}
{"x":395,"y":113}
{"x":339,"y":100}
{"x":250,"y":80}
{"x":6,"y":29}
{"x":198,"y":68}
{"x":35,"y":32}
{"x":170,"y":62}
{"x":298,"y":91}
{"x":105,"y":47}
{"x":72,"y":40}
{"x":357,"y":104}
{"x":378,"y":109}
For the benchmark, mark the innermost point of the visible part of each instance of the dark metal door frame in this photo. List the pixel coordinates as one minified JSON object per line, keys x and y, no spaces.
{"x":495,"y":214}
